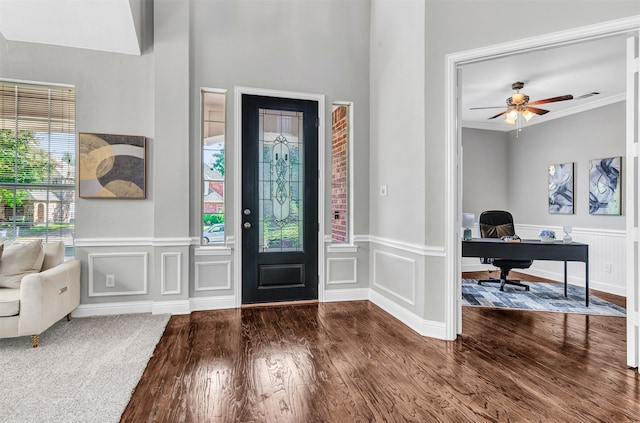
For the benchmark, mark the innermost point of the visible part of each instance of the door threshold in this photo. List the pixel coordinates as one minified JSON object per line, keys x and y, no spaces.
{"x":280,"y":303}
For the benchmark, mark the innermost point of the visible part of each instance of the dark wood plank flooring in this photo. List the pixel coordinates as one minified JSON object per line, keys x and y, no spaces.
{"x":352,"y":362}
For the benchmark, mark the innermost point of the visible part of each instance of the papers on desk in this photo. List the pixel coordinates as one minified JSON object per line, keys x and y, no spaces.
{"x":514,"y":238}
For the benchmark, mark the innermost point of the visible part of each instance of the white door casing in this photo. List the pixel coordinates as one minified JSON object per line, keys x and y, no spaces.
{"x":631,"y":183}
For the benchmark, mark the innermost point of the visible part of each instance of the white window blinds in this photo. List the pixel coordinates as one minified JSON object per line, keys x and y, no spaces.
{"x":37,"y":162}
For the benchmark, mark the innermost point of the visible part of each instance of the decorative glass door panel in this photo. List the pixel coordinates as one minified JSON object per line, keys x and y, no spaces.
{"x":281,"y":181}
{"x":279,"y":199}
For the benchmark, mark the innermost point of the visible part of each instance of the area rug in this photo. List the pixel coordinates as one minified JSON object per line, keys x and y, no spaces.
{"x":547,"y":296}
{"x":82,"y":371}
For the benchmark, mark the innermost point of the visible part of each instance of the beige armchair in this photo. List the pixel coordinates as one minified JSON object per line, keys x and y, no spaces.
{"x":41,"y":298}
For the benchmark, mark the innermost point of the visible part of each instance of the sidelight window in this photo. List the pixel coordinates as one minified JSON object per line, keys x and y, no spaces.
{"x":340,"y":173}
{"x":213,"y":165}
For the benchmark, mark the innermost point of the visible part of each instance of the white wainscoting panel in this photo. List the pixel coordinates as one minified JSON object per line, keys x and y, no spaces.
{"x":130,"y":270}
{"x":171,"y":273}
{"x":212,"y":275}
{"x":395,"y":275}
{"x":342,"y":270}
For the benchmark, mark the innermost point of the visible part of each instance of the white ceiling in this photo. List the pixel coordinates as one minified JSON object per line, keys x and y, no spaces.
{"x":106,"y":25}
{"x":578,"y":69}
{"x":598,"y":65}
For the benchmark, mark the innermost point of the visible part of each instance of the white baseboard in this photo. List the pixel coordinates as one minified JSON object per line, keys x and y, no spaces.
{"x":212,"y":303}
{"x":171,"y":307}
{"x":414,"y":322}
{"x":421,"y":326}
{"x":155,"y":307}
{"x":355,"y":294}
{"x":108,"y":309}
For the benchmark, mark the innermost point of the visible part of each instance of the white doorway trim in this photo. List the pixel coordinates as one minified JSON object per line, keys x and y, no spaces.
{"x":454,"y":162}
{"x":631,"y":182}
{"x":237,"y":179}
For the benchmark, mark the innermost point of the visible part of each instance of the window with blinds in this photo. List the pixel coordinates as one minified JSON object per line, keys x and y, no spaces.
{"x":37,"y":162}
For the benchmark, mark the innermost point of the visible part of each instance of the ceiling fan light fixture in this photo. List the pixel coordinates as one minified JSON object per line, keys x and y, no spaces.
{"x":511,"y":117}
{"x":517,"y":98}
{"x":527,"y":115}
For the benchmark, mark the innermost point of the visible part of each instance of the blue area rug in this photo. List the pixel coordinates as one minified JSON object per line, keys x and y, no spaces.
{"x":547,"y":296}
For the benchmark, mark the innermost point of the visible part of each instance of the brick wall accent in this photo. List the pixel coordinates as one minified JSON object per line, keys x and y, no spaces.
{"x":339,"y":174}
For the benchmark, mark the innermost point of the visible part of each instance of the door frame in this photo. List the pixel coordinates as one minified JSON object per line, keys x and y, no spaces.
{"x":237,"y":180}
{"x":453,"y":307}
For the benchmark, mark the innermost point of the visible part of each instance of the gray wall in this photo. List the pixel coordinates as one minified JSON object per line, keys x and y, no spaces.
{"x":450,"y":31}
{"x":507,"y":172}
{"x":579,"y":138}
{"x":310,"y":47}
{"x":485,"y":171}
{"x":114,"y":94}
{"x":387,"y":54}
{"x":456,"y":26}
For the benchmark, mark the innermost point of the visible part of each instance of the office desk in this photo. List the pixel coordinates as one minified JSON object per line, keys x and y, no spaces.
{"x":531,"y":249}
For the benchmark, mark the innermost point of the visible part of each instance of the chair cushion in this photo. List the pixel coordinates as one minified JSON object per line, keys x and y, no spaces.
{"x":19,"y":260}
{"x":9,"y":302}
{"x":512,"y":264}
{"x":497,"y":230}
{"x":53,"y":254}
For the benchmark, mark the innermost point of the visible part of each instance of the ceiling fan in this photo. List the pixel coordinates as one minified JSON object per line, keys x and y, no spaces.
{"x":518,"y":104}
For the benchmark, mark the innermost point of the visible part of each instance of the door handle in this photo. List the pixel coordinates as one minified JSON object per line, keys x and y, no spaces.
{"x":247,"y":225}
{"x":246,"y":212}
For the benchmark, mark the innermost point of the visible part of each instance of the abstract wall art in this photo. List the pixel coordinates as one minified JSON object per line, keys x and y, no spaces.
{"x":561,"y":188}
{"x":111,"y":166}
{"x":604,"y":186}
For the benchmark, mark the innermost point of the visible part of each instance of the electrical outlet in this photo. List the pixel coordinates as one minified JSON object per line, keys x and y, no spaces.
{"x":110,"y":281}
{"x":383,"y":190}
{"x":607,"y":267}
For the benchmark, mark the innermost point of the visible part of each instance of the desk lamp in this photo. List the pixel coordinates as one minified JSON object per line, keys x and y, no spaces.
{"x":467,"y":224}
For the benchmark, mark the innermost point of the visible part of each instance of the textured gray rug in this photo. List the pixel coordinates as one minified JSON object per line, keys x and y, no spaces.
{"x":547,"y":296}
{"x":82,"y":371}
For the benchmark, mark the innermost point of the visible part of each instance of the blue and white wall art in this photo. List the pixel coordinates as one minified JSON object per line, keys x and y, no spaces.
{"x":561,"y":188}
{"x":604,"y":186}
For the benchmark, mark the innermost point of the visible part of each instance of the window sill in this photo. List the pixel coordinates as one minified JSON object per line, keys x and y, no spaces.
{"x":342,"y":248}
{"x":215,"y":250}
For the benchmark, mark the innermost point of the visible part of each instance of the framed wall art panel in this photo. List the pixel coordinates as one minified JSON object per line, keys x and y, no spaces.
{"x":561,"y":188}
{"x":605,"y":176}
{"x":111,"y":166}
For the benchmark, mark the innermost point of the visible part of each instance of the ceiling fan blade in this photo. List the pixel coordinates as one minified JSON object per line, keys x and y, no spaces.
{"x":537,"y":111}
{"x":490,"y":107}
{"x":499,"y":114}
{"x":552,"y":100}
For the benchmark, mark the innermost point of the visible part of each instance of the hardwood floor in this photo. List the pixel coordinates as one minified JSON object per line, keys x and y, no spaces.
{"x":352,"y":362}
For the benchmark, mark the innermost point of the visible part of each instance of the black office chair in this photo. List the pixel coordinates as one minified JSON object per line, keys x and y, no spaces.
{"x":496,"y":224}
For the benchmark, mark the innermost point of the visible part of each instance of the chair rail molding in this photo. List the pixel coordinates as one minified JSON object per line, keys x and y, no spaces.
{"x":424,"y":250}
{"x":133,"y":242}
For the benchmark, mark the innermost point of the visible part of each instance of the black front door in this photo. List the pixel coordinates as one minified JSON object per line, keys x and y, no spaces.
{"x":279,"y":199}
